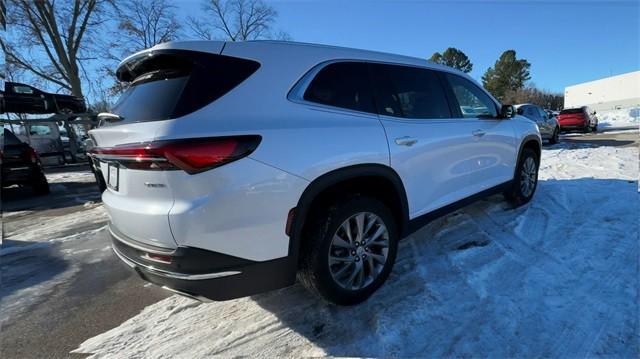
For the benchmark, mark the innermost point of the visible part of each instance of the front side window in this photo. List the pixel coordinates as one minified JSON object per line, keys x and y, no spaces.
{"x":344,"y":85}
{"x":472,"y":100}
{"x":409,"y":92}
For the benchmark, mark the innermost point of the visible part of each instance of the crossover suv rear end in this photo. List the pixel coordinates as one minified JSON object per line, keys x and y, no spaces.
{"x":578,"y":119}
{"x":233,"y":167}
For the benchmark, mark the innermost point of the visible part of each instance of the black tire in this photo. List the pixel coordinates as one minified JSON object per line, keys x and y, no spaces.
{"x":555,"y":136}
{"x":595,"y":128}
{"x":315,"y":273}
{"x":40,"y":186}
{"x":515,"y":194}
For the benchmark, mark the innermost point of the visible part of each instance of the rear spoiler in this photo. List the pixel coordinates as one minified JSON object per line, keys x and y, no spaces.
{"x":129,"y":68}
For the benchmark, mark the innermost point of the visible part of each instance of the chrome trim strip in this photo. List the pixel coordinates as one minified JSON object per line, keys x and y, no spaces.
{"x":127,"y":158}
{"x":169,"y":274}
{"x":168,"y":251}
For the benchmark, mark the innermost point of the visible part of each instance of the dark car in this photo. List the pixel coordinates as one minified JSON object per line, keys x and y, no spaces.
{"x":21,"y":98}
{"x":21,"y":165}
{"x":580,"y":119}
{"x":547,"y":124}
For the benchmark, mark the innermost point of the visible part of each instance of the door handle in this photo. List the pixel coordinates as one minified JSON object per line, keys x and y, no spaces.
{"x":478,"y":133}
{"x":406,"y":141}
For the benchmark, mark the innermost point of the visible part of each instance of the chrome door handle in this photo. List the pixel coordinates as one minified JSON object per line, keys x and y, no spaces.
{"x":478,"y":133}
{"x":406,"y":141}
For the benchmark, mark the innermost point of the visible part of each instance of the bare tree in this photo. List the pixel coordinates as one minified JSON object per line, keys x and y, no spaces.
{"x":141,"y":24}
{"x":236,"y":20}
{"x":145,"y":23}
{"x":52,"y":39}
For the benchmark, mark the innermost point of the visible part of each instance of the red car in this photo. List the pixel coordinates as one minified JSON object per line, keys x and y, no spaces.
{"x":580,"y":119}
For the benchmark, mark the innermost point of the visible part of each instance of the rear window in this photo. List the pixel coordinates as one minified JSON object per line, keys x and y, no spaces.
{"x":174,"y":83}
{"x":409,"y":92}
{"x":571,"y":111}
{"x":10,"y":138}
{"x":342,"y":84}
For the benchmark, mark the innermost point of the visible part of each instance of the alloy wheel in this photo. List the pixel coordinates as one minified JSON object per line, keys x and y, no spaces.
{"x":528,"y":177}
{"x":358,"y":251}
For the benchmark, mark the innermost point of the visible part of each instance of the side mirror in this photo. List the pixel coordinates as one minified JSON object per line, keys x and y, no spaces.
{"x":507,"y":111}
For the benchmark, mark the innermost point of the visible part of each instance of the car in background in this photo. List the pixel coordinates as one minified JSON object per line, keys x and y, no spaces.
{"x":547,"y":124}
{"x":21,"y":165}
{"x":20,"y":98}
{"x":578,"y":119}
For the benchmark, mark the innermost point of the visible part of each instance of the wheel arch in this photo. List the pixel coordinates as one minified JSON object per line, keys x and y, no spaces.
{"x":530,"y":141}
{"x":361,"y":179}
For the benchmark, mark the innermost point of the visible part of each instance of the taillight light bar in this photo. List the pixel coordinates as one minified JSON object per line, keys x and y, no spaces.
{"x":192,"y":155}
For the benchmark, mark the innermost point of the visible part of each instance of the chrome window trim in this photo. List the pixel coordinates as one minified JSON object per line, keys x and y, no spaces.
{"x":296,"y":94}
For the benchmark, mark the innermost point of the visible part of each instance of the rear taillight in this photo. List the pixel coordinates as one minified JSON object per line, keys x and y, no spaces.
{"x":33,"y":155}
{"x":191,"y":155}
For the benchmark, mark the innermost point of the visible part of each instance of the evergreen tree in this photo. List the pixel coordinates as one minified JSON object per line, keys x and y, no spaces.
{"x":507,"y":74}
{"x":453,"y":57}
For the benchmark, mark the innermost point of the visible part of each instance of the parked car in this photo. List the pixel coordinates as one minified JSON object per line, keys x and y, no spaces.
{"x":230,"y":170}
{"x":547,"y":124}
{"x":44,"y":137}
{"x":21,"y":165}
{"x":21,"y":98}
{"x":580,"y":119}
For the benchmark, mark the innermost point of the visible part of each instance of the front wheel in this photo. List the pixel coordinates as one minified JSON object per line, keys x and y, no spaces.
{"x":555,"y":136}
{"x":351,"y":250}
{"x":525,"y":180}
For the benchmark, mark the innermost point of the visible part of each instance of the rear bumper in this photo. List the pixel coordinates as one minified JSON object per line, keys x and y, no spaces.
{"x":18,"y":174}
{"x":576,"y":127}
{"x":205,"y":275}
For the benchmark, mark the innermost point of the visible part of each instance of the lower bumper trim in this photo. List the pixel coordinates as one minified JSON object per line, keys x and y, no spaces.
{"x":173,"y":275}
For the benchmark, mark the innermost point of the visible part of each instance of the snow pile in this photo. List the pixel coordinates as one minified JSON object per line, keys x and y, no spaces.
{"x":557,"y":277}
{"x":629,"y":117}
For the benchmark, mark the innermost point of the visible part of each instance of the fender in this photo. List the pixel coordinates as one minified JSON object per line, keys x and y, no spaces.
{"x":525,"y":139}
{"x":333,"y":178}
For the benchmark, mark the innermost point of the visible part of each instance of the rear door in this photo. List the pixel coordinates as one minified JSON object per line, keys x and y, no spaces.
{"x":432,"y":151}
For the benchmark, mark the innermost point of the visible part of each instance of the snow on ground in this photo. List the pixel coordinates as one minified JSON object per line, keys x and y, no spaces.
{"x":558,"y":277}
{"x":39,"y":248}
{"x":629,"y":117}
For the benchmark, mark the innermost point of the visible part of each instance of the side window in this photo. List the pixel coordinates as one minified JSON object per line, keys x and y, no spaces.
{"x":342,"y":84}
{"x":39,"y":130}
{"x":541,"y":113}
{"x":409,"y":92}
{"x":472,"y":100}
{"x":23,"y":89}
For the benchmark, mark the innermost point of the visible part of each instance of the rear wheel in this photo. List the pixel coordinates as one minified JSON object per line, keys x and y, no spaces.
{"x":351,"y":250}
{"x":525,"y":180}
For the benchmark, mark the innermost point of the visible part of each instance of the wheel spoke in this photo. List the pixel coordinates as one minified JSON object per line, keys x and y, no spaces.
{"x":339,"y":242}
{"x":334,"y":259}
{"x":378,"y":257}
{"x":359,"y":226}
{"x":346,"y":228}
{"x":378,"y":233}
{"x":342,"y":270}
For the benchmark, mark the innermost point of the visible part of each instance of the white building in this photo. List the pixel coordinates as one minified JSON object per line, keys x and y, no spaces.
{"x":615,"y":92}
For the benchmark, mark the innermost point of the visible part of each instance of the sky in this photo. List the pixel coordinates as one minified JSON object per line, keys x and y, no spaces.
{"x":566,"y":42}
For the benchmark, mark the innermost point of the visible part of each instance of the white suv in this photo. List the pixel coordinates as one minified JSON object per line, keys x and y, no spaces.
{"x":234,"y":166}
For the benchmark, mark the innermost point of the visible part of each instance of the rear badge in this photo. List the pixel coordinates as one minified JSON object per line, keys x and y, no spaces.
{"x":154,"y":185}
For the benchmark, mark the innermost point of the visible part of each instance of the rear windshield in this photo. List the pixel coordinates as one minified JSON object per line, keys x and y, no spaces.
{"x":174,"y":83}
{"x":571,"y":111}
{"x":10,"y":138}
